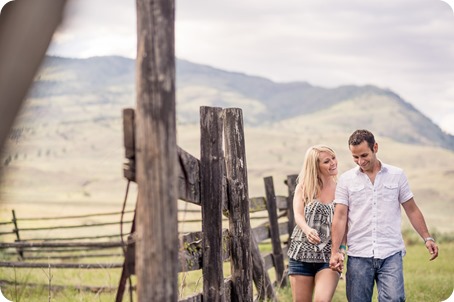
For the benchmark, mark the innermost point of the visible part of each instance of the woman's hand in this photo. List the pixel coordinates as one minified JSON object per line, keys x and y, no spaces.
{"x":312,"y":235}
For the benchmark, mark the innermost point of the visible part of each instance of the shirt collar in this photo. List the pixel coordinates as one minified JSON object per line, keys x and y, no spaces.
{"x":383,"y":168}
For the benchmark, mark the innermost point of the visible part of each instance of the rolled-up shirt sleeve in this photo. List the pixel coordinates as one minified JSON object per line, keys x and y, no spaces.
{"x":405,"y":193}
{"x":341,"y":195}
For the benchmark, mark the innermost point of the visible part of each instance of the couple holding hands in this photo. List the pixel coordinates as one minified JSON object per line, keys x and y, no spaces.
{"x":358,"y":215}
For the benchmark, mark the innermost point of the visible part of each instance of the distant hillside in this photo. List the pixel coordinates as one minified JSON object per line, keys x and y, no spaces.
{"x":375,"y":108}
{"x":65,"y":153}
{"x":110,"y":81}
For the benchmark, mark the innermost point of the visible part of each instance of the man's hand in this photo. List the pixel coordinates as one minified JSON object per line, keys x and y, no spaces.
{"x":336,"y":262}
{"x":433,"y":249}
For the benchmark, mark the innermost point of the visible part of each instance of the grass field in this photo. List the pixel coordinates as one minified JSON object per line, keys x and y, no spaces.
{"x":424,"y":281}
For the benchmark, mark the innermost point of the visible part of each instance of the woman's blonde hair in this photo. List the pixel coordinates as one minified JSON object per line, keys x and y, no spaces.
{"x":309,"y":181}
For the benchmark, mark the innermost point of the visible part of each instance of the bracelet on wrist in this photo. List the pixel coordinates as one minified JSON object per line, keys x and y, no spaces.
{"x":428,"y":239}
{"x":343,"y":247}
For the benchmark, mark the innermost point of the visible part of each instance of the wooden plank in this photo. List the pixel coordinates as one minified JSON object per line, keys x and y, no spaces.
{"x":61,"y":257}
{"x":240,"y":229}
{"x":190,"y":238}
{"x":129,"y":168}
{"x":260,"y":274}
{"x":199,"y":297}
{"x":193,"y":298}
{"x":211,"y":174}
{"x":261,"y":232}
{"x":58,"y":287}
{"x":190,"y":257}
{"x":257,"y":204}
{"x":104,"y":244}
{"x":60,"y":265}
{"x":156,"y":153}
{"x":274,"y":228}
{"x":291,"y":184}
{"x":285,"y":250}
{"x":72,"y":226}
{"x":283,"y":228}
{"x":281,"y":202}
{"x":268,"y":259}
{"x":188,"y":177}
{"x":228,"y":288}
{"x":128,"y":133}
{"x":188,"y":168}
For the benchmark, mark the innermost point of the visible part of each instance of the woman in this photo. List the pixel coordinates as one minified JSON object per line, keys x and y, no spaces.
{"x":310,"y":248}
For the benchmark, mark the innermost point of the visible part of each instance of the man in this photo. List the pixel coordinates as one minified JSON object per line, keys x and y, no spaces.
{"x":369,"y":197}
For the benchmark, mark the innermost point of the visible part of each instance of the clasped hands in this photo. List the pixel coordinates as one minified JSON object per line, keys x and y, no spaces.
{"x":336,"y":263}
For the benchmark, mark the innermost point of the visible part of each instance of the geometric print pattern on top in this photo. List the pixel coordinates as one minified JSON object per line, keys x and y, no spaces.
{"x":318,"y":216}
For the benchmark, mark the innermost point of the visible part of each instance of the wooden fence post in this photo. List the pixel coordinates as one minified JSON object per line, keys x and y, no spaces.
{"x":278,"y":256}
{"x":211,"y":187}
{"x":129,"y":170}
{"x":260,"y":274}
{"x":291,"y":184}
{"x":16,"y":231}
{"x":239,"y":223}
{"x":156,"y":153}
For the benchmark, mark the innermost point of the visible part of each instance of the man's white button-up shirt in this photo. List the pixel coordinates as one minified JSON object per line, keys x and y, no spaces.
{"x":374,"y":215}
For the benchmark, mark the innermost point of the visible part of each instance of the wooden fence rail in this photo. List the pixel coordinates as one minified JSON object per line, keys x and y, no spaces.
{"x":30,"y":243}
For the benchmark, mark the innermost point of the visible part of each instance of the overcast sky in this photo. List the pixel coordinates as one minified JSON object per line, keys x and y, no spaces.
{"x":404,"y":45}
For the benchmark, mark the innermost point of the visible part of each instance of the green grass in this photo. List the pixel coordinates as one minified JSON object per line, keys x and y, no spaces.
{"x":26,"y":290}
{"x":425,"y":281}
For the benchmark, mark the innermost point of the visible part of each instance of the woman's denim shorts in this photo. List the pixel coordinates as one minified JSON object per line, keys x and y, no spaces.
{"x":296,"y":267}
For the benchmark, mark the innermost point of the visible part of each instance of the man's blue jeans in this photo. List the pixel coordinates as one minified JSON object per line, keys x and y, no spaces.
{"x":388,"y":273}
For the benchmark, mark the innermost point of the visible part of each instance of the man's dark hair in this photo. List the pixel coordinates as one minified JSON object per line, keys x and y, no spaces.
{"x":360,"y":136}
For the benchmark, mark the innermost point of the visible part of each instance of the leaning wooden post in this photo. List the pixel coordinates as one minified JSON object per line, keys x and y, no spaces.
{"x":156,"y":153}
{"x":291,"y":184}
{"x":211,"y":180}
{"x":260,"y":274}
{"x":278,"y":256}
{"x":239,"y":224}
{"x":16,"y":231}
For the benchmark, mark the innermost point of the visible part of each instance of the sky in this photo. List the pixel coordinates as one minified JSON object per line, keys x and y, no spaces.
{"x":403,"y":45}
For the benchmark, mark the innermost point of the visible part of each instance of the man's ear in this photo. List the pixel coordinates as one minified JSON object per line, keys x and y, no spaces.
{"x":375,"y":148}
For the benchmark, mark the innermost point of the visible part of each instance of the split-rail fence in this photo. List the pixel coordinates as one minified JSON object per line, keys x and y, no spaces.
{"x":218,"y":184}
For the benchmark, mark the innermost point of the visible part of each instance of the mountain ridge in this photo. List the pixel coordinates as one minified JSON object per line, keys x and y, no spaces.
{"x":111,"y":79}
{"x":66,"y":147}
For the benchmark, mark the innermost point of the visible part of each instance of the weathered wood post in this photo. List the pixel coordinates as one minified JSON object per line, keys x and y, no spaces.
{"x":278,"y":256}
{"x":211,"y":180}
{"x":291,"y":184}
{"x":156,"y":153}
{"x":260,"y":275}
{"x":240,"y":228}
{"x":16,"y":231}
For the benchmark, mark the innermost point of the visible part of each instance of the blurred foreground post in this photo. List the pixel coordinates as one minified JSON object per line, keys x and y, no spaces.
{"x":156,"y":153}
{"x":26,"y":29}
